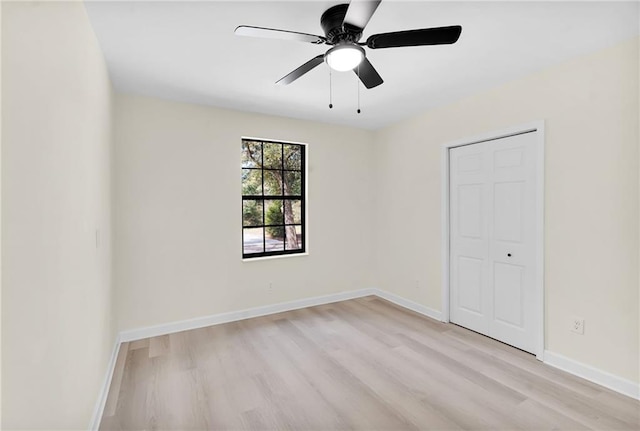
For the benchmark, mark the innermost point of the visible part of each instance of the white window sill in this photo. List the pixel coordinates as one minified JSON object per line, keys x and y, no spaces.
{"x":282,"y":256}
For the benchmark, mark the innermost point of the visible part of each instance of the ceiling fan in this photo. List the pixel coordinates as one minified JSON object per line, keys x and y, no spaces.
{"x":343,"y":25}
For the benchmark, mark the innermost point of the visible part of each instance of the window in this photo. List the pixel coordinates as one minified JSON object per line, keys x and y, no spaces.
{"x":273,"y":198}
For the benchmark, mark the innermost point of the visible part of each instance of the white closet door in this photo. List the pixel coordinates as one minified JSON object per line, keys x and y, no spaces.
{"x":469,"y":237}
{"x":492,"y":239}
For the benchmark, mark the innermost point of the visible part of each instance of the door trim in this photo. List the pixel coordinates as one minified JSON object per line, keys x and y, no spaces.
{"x":538,"y":128}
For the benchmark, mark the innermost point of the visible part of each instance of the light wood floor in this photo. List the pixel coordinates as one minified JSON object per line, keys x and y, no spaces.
{"x":360,"y":364}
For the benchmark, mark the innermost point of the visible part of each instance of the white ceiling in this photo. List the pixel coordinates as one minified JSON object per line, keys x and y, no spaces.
{"x":187,"y":51}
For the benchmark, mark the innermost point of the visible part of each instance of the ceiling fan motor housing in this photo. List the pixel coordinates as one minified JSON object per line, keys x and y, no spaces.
{"x":332,"y":25}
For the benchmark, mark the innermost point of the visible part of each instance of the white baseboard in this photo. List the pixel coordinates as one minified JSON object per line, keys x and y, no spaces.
{"x":595,"y":375}
{"x":414,"y":306}
{"x":104,"y":390}
{"x":233,"y":316}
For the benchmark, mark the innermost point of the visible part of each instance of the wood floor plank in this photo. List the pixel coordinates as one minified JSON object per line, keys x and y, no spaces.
{"x":581,"y":408}
{"x":159,"y":346}
{"x":139,"y":344}
{"x":362,"y":364}
{"x":394,"y":392}
{"x":344,"y":392}
{"x":522,"y":360}
{"x":624,"y":408}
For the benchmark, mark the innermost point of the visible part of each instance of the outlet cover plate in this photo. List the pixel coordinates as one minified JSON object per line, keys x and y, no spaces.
{"x":577,"y":325}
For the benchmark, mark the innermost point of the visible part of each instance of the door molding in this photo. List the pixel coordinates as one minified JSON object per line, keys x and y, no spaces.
{"x":538,"y":128}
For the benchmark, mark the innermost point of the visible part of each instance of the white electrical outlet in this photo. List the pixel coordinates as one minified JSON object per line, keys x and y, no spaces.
{"x":270,"y":287}
{"x":417,"y":284}
{"x":577,"y":325}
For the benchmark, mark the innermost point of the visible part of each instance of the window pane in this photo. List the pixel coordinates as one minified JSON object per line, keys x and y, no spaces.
{"x":272,"y":183}
{"x":292,"y":183}
{"x":292,"y":157}
{"x":274,"y":244}
{"x":293,"y":236}
{"x":272,"y":156}
{"x":292,"y":212}
{"x":251,"y":182}
{"x":251,"y":154}
{"x":252,"y":240}
{"x":252,"y":213}
{"x":273,"y":215}
{"x":274,"y":234}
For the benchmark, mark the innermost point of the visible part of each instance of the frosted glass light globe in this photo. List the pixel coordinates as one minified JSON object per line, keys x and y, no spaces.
{"x":344,"y":57}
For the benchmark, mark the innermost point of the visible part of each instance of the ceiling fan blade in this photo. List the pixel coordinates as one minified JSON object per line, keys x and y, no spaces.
{"x":360,"y":12}
{"x":424,"y":36}
{"x":315,"y":61}
{"x":368,"y":74}
{"x":271,"y":33}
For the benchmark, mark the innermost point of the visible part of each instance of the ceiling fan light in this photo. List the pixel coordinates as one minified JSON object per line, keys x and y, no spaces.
{"x":344,"y":57}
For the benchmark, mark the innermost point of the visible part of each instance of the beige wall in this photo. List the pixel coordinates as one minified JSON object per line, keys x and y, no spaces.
{"x":56,"y":330}
{"x":178,"y":206}
{"x":590,"y":106}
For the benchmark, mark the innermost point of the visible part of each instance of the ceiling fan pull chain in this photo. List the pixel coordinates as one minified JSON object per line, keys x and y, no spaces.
{"x":358,"y":84}
{"x":330,"y":96}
